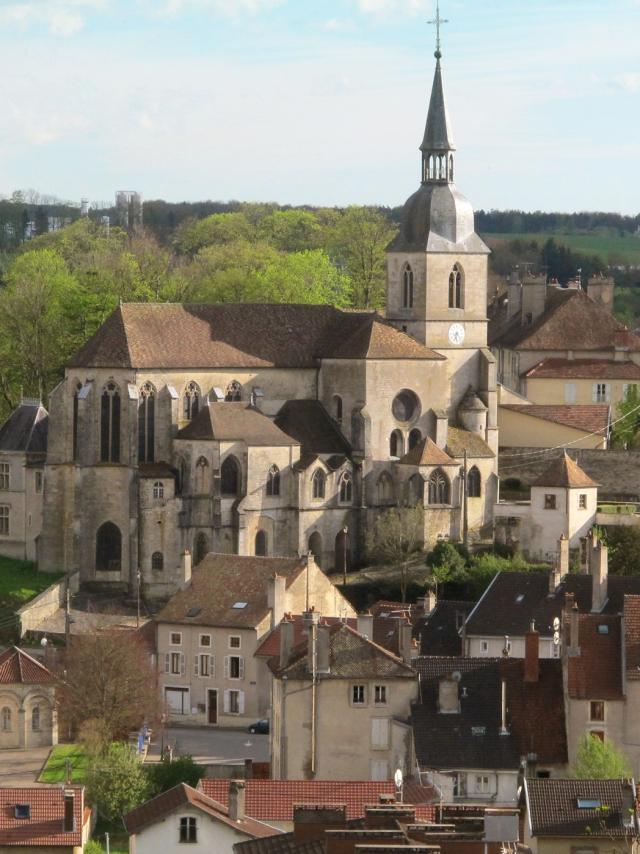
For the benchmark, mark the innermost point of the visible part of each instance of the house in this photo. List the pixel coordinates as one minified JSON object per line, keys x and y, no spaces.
{"x":576,"y":816}
{"x":524,"y":424}
{"x":479,"y":724}
{"x":44,"y":818}
{"x":439,"y":630}
{"x":581,"y":381}
{"x":275,"y":801}
{"x":186,"y":815}
{"x":28,"y":716}
{"x":23,"y":448}
{"x":208,"y":632}
{"x":350,"y":699}
{"x":562,"y":507}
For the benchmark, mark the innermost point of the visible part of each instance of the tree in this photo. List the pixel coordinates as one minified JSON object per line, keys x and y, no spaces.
{"x":109,"y":680}
{"x":116,"y":782}
{"x":167,"y":773}
{"x":625,"y":432}
{"x":599,"y":760}
{"x":290,"y":231}
{"x":397,"y":534}
{"x":623,"y":543}
{"x":302,"y":277}
{"x":194,"y":234}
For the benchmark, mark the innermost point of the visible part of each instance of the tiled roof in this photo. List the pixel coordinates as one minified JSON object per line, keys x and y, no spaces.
{"x":45,"y":825}
{"x":632,"y":636}
{"x":471,"y":738}
{"x":270,"y":646}
{"x":182,"y":795}
{"x":351,"y":656}
{"x":596,"y":674}
{"x":309,"y":423}
{"x":226,"y":422}
{"x":172,"y":336}
{"x":427,"y":453}
{"x":285,"y":843}
{"x":578,"y":369}
{"x":589,"y":418}
{"x":26,"y":429}
{"x":570,"y":321}
{"x":220,"y":581}
{"x":553,"y":807}
{"x":439,"y":630}
{"x":153,"y":470}
{"x":18,"y":667}
{"x":274,"y":800}
{"x":565,"y":473}
{"x":459,"y":441}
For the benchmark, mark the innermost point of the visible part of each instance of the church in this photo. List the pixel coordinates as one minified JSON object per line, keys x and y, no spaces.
{"x":283,"y":429}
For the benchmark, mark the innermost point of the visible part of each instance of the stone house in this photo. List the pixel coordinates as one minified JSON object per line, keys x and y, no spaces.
{"x":208,"y":632}
{"x":28,"y":716}
{"x":351,"y":701}
{"x":44,"y":819}
{"x":524,"y":424}
{"x":23,"y":447}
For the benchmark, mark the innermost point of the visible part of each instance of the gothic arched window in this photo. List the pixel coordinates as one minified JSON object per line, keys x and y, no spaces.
{"x":35,"y":718}
{"x":396,"y":444}
{"x":230,"y":476}
{"x":146,"y":423}
{"x":474,"y":483}
{"x":75,"y":424}
{"x":385,"y":488}
{"x":407,"y":287}
{"x":157,"y":561}
{"x":455,"y":287}
{"x":416,"y":489}
{"x":318,"y":484}
{"x":273,"y":481}
{"x":261,"y":544}
{"x":337,"y":408}
{"x":110,"y":424}
{"x":202,"y":476}
{"x":346,"y":488}
{"x":191,"y":401}
{"x":201,"y":549}
{"x":108,"y":548}
{"x":181,"y":480}
{"x":234,"y":391}
{"x":415,"y":437}
{"x":439,"y":488}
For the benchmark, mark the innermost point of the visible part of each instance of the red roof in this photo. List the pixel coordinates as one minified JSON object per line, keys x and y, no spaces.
{"x":596,"y":674}
{"x":274,"y":800}
{"x":18,"y":667}
{"x":270,"y":646}
{"x":587,"y":369}
{"x":590,"y":418}
{"x":632,"y":636}
{"x":44,"y":827}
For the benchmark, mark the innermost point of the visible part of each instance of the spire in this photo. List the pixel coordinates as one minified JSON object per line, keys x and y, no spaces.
{"x":437,"y":145}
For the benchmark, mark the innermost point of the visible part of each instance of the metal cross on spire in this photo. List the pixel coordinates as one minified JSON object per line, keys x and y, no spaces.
{"x":438,"y":21}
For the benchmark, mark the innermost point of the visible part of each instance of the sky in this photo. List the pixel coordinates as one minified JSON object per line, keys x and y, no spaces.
{"x":320,"y":102}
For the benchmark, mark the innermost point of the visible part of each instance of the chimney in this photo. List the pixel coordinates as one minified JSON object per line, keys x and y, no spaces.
{"x":503,"y":709}
{"x":69,"y":822}
{"x":448,"y":696}
{"x":311,"y":821}
{"x":404,"y":631}
{"x":286,"y":641}
{"x":574,"y":630}
{"x":561,"y":567}
{"x":276,"y":598}
{"x":534,"y":297}
{"x":323,"y":640}
{"x":186,"y":568}
{"x":442,"y":428}
{"x":532,"y":654}
{"x":236,"y":800}
{"x":599,"y":571}
{"x":428,"y":602}
{"x":600,"y":290}
{"x":365,"y":625}
{"x":514,"y":296}
{"x":310,"y":620}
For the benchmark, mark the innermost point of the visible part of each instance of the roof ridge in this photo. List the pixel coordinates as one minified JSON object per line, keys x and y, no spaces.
{"x":396,"y":659}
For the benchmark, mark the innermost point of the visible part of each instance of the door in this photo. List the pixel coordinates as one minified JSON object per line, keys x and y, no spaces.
{"x":177,"y":699}
{"x":212,"y":707}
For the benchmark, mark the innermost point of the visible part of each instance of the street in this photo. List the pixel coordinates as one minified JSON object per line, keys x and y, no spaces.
{"x":211,"y":744}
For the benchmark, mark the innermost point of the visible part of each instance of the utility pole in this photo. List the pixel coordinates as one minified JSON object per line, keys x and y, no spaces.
{"x":345,"y":537}
{"x":67,"y":616}
{"x":138,"y":578}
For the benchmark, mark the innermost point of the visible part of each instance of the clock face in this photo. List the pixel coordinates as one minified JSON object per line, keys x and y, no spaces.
{"x":456,"y":333}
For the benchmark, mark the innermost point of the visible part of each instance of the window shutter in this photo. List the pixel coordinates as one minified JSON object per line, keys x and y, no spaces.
{"x":226,"y":667}
{"x":594,"y":395}
{"x":167,"y":662}
{"x":380,"y":732}
{"x":241,"y":702}
{"x":183,"y":668}
{"x":226,"y":702}
{"x":195,"y":665}
{"x":212,"y":665}
{"x":241,"y":666}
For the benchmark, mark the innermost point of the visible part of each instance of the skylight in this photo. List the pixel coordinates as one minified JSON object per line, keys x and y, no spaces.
{"x":22,"y":811}
{"x":589,"y":804}
{"x":603,"y":629}
{"x":193,"y":612}
{"x":240,"y":605}
{"x":519,"y":597}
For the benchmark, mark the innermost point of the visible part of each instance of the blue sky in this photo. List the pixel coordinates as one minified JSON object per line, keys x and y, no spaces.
{"x":320,"y":101}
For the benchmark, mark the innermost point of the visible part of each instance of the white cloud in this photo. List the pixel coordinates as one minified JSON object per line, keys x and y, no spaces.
{"x":630,"y":81}
{"x":61,"y":17}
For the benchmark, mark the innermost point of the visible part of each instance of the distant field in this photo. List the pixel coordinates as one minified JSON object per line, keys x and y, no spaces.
{"x":613,"y":248}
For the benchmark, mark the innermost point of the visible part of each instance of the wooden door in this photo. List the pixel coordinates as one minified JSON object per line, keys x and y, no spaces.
{"x":212,"y":707}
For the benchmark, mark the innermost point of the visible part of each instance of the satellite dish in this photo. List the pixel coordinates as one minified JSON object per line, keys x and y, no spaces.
{"x":456,"y":676}
{"x":556,"y":624}
{"x":397,"y":779}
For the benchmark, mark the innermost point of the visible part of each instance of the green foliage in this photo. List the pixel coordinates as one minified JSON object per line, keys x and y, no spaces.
{"x":164,"y":775}
{"x":625,"y":432}
{"x":623,"y":542}
{"x":447,"y":564}
{"x":55,"y":769}
{"x":116,"y":782}
{"x":20,"y":581}
{"x":302,"y":277}
{"x":291,"y":231}
{"x":599,"y":760}
{"x":469,"y":576}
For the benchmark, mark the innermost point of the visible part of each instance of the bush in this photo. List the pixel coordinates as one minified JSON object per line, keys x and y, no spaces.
{"x":165,"y":774}
{"x":116,"y":782}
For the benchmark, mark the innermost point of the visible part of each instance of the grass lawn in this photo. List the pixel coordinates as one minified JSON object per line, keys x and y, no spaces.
{"x":118,"y":839}
{"x":56,"y":768}
{"x":20,"y":581}
{"x":611,"y":247}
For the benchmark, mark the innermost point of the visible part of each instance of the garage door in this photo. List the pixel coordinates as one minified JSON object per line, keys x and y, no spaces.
{"x":177,"y":699}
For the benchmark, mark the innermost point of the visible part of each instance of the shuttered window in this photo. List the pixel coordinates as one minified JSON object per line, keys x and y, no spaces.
{"x":380,"y":733}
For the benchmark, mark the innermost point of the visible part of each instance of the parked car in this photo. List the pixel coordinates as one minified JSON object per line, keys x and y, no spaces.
{"x":260,"y":727}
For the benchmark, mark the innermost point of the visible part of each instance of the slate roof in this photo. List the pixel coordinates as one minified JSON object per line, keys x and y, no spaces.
{"x":501,"y":612}
{"x":183,"y":795}
{"x":578,"y":369}
{"x":427,"y":453}
{"x":45,"y":825}
{"x":173,"y":336}
{"x":472,"y":739}
{"x":220,"y":581}
{"x":226,"y":422}
{"x":351,"y":656}
{"x":570,"y":321}
{"x":596,"y":674}
{"x":439,"y":630}
{"x":565,"y":473}
{"x":459,"y":441}
{"x":632,"y":636}
{"x":589,"y":418}
{"x":274,"y":800}
{"x":309,"y":423}
{"x":552,"y":806}
{"x":384,"y":633}
{"x":16,"y":667}
{"x":26,"y":429}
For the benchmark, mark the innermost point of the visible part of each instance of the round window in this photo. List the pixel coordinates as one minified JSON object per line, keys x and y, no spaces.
{"x":405,"y":406}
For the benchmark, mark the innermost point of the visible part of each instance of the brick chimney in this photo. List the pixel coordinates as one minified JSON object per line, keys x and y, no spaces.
{"x":276,"y":598}
{"x":236,"y":800}
{"x":286,"y":641}
{"x":186,"y":568}
{"x":532,"y":654}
